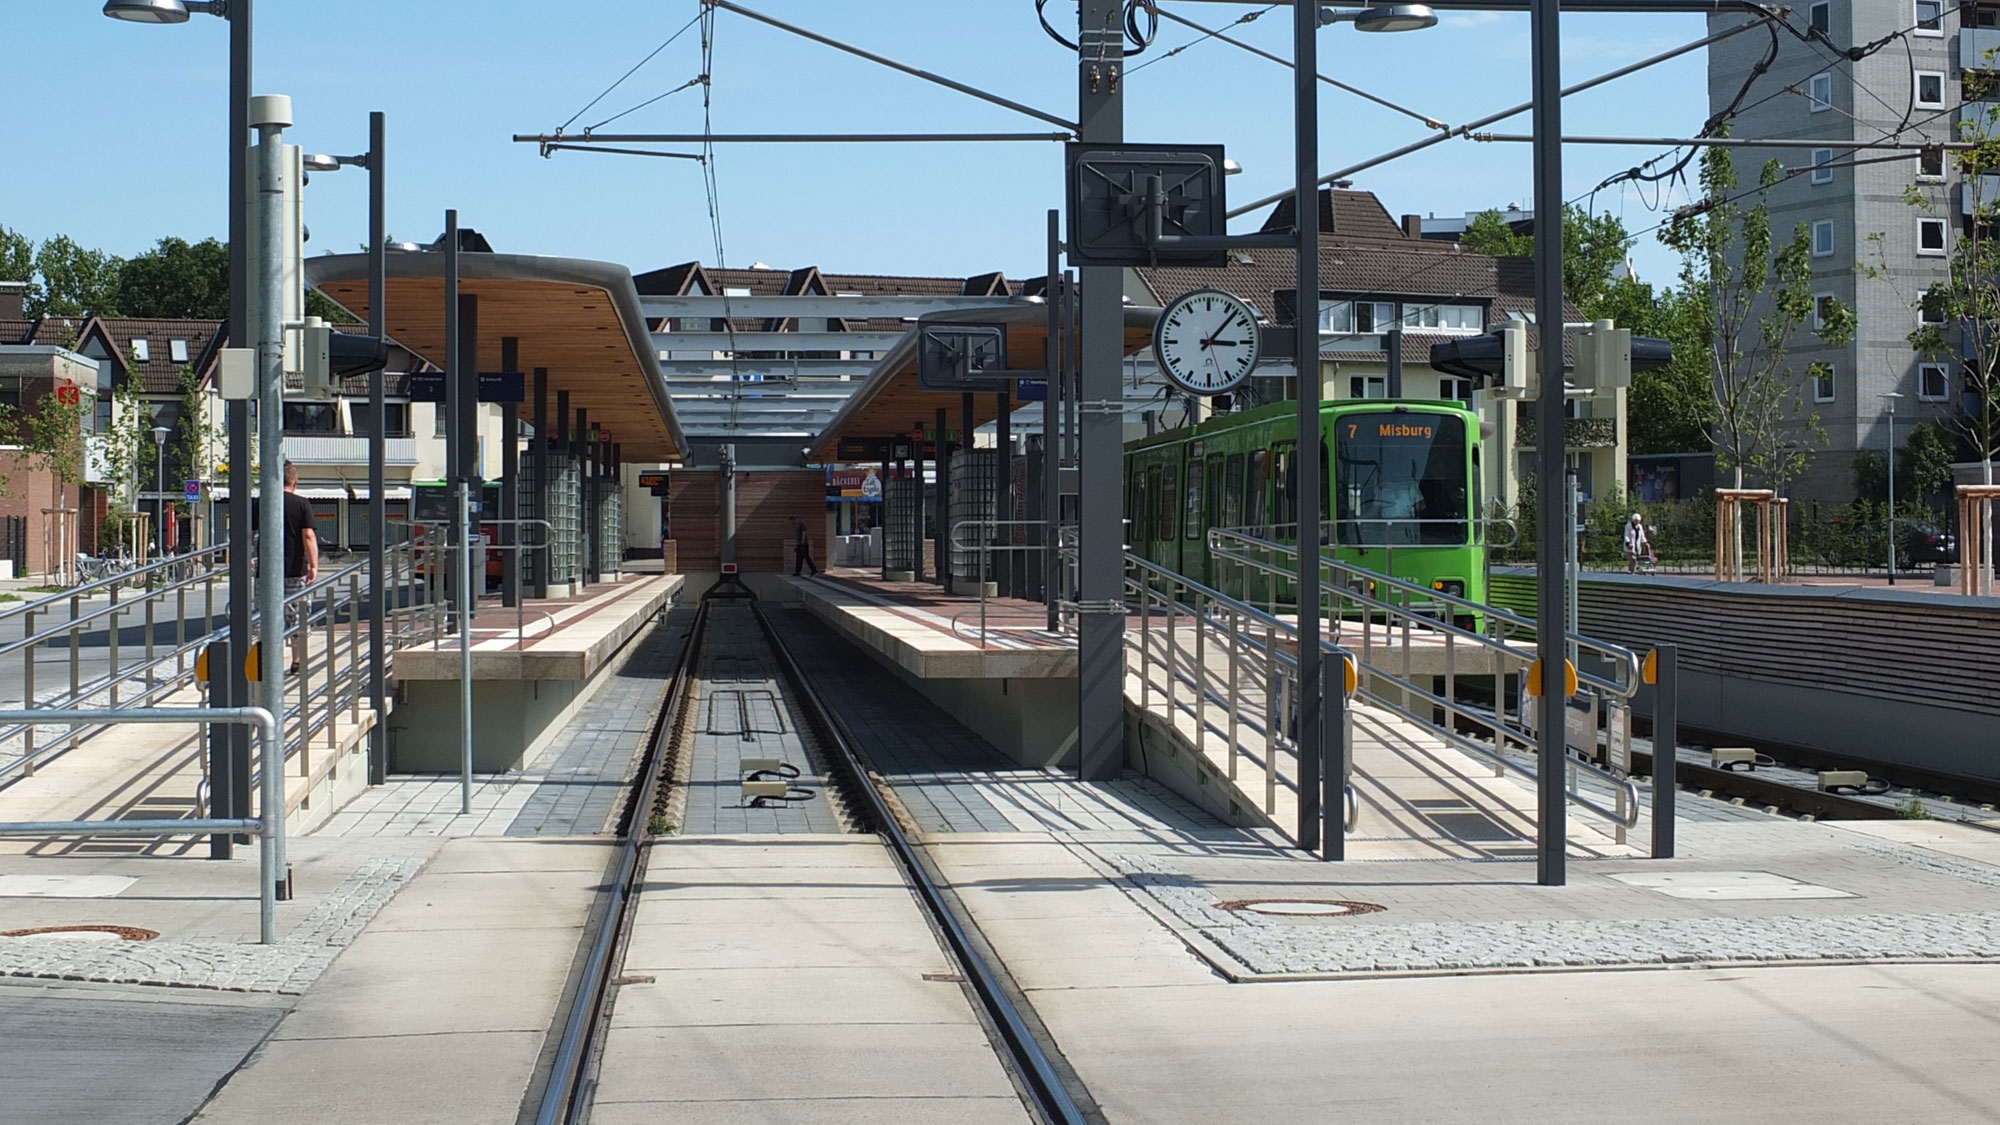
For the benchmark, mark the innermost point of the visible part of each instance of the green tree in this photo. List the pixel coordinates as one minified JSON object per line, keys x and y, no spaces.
{"x":73,"y":280}
{"x":1758,"y":296}
{"x":17,"y":255}
{"x":1923,"y":469}
{"x":1594,"y":247}
{"x":320,"y":305}
{"x":176,"y":279}
{"x":1488,"y":233}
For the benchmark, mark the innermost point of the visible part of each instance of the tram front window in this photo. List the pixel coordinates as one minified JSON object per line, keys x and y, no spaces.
{"x":1400,"y":478}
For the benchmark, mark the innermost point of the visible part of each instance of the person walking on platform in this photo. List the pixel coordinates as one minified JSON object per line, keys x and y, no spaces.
{"x":802,"y":552}
{"x":1638,"y":547}
{"x":301,"y":558}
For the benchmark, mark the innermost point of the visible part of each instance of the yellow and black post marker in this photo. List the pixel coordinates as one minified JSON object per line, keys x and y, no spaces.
{"x":213,"y":661}
{"x":1535,"y":679}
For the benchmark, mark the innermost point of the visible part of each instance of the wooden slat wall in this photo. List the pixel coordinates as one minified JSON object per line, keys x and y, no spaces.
{"x":769,"y":502}
{"x":1934,"y":650}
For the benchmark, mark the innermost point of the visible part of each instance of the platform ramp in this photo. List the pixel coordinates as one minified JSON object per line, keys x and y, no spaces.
{"x":1441,"y":748}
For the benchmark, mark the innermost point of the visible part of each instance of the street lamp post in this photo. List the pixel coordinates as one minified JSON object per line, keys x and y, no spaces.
{"x":378,"y":512}
{"x":1890,"y":397}
{"x":229,"y":777}
{"x":1306,"y":22}
{"x":160,"y":485}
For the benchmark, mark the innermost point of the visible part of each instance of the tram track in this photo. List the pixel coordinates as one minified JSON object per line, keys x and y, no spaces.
{"x":866,"y":804}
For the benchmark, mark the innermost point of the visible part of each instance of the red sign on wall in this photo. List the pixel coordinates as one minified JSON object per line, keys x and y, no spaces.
{"x":69,"y":395}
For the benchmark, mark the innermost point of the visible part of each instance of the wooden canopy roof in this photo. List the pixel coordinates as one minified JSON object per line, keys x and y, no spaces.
{"x":578,"y":318}
{"x":890,"y":404}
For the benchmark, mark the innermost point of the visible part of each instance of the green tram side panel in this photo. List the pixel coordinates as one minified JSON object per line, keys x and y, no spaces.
{"x":1149,"y":461}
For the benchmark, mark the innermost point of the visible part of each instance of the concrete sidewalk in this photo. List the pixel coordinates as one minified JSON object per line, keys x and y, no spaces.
{"x":439,"y":1012}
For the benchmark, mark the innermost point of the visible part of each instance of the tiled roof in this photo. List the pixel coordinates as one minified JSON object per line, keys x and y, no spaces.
{"x":681,"y":279}
{"x":159,"y":373}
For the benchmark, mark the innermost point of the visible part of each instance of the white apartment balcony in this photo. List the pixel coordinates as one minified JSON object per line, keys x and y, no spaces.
{"x":345,"y":449}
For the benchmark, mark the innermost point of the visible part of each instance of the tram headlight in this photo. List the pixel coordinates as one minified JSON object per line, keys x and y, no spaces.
{"x":1451,"y":586}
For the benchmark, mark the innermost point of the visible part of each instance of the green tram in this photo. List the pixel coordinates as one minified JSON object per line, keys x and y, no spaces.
{"x":1401,"y":495}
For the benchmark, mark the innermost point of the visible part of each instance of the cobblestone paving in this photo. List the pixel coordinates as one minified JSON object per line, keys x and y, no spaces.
{"x":288,"y":966}
{"x":1639,"y":929}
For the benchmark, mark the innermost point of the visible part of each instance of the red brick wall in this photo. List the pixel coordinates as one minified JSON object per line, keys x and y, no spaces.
{"x":29,"y":490}
{"x":769,"y":504}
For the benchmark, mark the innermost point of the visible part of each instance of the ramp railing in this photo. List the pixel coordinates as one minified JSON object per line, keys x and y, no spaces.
{"x":1230,"y":666}
{"x":1408,"y":637}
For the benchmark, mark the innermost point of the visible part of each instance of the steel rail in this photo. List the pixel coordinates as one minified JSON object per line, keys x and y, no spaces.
{"x":566,"y":1096}
{"x":1052,"y":1100}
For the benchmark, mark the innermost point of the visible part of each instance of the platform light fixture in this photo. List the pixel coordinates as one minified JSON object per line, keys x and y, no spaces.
{"x":1392,"y":17}
{"x":163,"y":11}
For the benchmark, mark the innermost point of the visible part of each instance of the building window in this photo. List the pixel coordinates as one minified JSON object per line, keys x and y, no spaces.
{"x":1930,"y":17}
{"x":142,"y":350}
{"x":1822,"y":382}
{"x":1359,"y":318}
{"x":1822,"y":238}
{"x":1930,"y":164}
{"x":1368,"y":386}
{"x":1933,"y":382}
{"x":1819,"y":93}
{"x":177,"y":350}
{"x":1822,"y":312}
{"x":1445,"y":318}
{"x":1979,"y":15}
{"x":1822,"y":166}
{"x":1930,"y":237}
{"x":312,"y":418}
{"x":437,"y":417}
{"x":395,"y":418}
{"x":1819,"y":17}
{"x":1930,"y":88}
{"x":1930,"y":311}
{"x":1455,"y":388}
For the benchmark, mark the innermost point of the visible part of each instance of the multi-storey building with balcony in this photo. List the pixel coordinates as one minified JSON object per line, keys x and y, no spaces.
{"x":1873,"y":248}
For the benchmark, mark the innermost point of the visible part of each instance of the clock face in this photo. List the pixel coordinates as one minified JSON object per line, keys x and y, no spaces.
{"x":1206,"y":342}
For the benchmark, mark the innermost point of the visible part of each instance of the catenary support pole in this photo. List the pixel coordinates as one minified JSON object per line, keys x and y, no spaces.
{"x":1002,"y":568}
{"x":540,"y":460}
{"x":940,"y":541}
{"x":1051,"y":401}
{"x":1553,"y":619}
{"x":586,"y":507}
{"x":453,"y":364}
{"x":1101,"y":417}
{"x":234,"y":784}
{"x":510,"y":471}
{"x":916,"y":549}
{"x":378,"y":411}
{"x":565,"y":448}
{"x":1305,"y":342}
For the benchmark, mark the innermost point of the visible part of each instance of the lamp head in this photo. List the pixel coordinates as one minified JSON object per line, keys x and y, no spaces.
{"x":160,"y":434}
{"x":318,"y":162}
{"x":147,"y":11}
{"x":1392,"y":17}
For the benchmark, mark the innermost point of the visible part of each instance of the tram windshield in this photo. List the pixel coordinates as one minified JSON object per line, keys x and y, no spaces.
{"x":1400,"y":477}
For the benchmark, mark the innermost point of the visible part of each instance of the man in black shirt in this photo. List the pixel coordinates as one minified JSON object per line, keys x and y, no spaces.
{"x":301,"y":559}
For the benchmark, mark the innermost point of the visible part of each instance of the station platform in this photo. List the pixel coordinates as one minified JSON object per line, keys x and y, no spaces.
{"x":530,"y":668}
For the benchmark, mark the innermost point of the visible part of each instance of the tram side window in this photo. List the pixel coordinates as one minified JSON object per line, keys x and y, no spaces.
{"x":1149,"y":516}
{"x":1136,"y":511}
{"x":1214,"y":475}
{"x":1232,"y":491}
{"x":1170,"y":490}
{"x":1325,"y":500}
{"x":1284,"y":509}
{"x":1194,"y":497}
{"x":1260,"y":464}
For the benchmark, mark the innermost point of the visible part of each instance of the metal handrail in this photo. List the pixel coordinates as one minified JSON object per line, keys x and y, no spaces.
{"x":1618,"y":656}
{"x":1245,"y":551}
{"x":953,"y":540}
{"x":268,"y":825}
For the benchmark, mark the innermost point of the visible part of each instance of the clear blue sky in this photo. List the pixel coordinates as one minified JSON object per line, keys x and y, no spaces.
{"x":127,"y":122}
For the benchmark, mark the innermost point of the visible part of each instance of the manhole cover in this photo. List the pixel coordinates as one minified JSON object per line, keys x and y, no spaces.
{"x":1303,"y":908}
{"x":86,"y":933}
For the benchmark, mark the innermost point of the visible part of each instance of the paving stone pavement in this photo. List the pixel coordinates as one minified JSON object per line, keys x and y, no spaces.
{"x":288,"y":966}
{"x":1457,"y":916}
